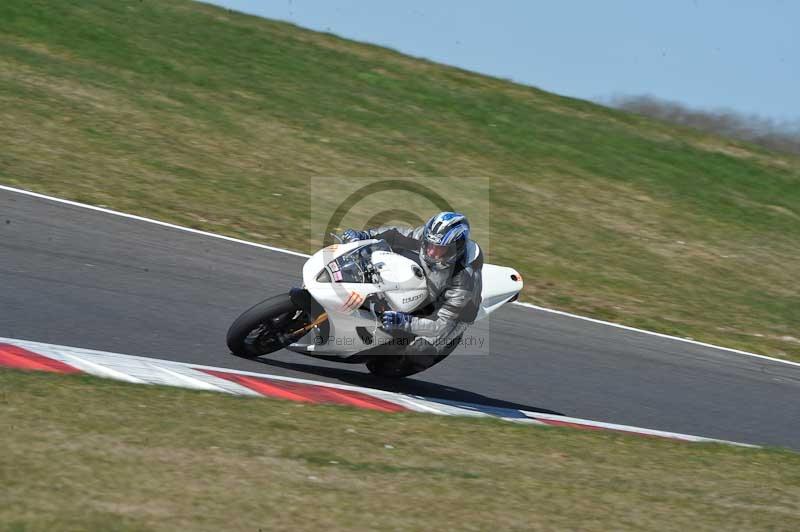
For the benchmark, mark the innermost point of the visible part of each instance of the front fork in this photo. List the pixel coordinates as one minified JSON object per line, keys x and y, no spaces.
{"x":302,"y":299}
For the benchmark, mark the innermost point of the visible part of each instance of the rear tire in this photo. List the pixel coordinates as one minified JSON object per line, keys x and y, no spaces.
{"x":274,"y":316}
{"x":404,"y":365}
{"x":399,"y":366}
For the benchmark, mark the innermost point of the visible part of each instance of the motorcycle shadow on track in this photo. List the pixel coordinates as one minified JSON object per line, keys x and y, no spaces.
{"x":407,"y":386}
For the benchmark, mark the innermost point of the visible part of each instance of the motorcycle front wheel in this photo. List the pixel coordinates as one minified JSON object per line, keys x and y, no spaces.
{"x":265,"y":327}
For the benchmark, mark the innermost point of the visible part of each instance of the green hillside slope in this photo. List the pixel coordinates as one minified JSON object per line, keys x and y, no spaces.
{"x":204,"y":461}
{"x":194,"y":114}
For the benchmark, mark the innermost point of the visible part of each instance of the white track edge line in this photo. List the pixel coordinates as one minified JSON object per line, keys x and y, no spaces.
{"x":298,"y":254}
{"x":150,"y":220}
{"x":633,"y":429}
{"x":657,"y":334}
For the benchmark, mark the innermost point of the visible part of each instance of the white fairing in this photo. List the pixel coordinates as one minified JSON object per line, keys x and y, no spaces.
{"x":403,"y":285}
{"x":402,"y":281}
{"x":500,"y":284}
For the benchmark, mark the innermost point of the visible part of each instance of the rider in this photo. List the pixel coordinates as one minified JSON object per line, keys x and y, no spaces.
{"x":452,"y":263}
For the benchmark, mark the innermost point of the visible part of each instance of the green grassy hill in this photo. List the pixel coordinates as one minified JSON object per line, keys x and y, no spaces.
{"x":198,"y":115}
{"x":188,"y":460}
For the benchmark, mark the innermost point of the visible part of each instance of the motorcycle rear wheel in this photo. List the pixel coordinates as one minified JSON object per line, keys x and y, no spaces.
{"x":399,"y":366}
{"x":265,"y":327}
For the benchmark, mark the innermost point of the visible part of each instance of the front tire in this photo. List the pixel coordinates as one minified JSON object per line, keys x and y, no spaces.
{"x":264,"y":328}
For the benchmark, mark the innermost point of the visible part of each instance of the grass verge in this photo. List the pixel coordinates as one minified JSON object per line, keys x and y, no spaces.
{"x":205,"y":117}
{"x":82,"y":453}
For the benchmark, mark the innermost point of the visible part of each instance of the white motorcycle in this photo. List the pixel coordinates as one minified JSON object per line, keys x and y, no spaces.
{"x":337,"y":314}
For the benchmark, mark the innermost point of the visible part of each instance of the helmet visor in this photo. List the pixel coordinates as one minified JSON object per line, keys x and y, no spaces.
{"x":439,"y":254}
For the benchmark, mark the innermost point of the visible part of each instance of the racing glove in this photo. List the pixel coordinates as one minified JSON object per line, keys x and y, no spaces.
{"x":396,"y":321}
{"x":351,"y":235}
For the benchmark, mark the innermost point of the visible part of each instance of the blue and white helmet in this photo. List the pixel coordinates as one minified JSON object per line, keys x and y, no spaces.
{"x":444,"y":239}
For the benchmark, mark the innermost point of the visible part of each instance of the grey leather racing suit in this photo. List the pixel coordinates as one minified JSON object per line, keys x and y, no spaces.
{"x":454,"y":292}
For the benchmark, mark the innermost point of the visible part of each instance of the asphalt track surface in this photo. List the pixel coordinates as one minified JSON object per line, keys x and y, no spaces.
{"x":87,"y":279}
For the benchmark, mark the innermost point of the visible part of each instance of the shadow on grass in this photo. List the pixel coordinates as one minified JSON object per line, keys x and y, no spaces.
{"x":410,"y":386}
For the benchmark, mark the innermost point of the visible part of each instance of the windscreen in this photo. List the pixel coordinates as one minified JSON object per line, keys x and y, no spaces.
{"x":356,"y":265}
